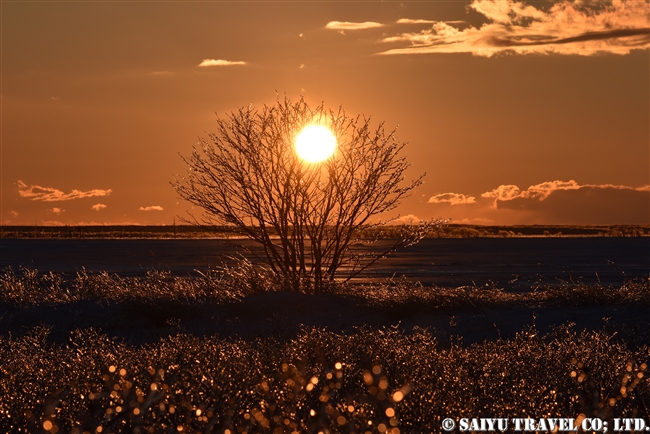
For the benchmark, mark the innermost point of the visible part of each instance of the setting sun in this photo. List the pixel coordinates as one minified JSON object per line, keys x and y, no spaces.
{"x":315,"y":143}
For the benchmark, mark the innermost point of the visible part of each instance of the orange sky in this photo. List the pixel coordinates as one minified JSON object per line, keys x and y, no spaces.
{"x":518,"y":112}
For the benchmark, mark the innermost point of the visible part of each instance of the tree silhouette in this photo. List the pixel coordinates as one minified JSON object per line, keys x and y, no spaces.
{"x":306,"y":216}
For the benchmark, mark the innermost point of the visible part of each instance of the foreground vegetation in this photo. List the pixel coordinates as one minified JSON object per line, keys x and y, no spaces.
{"x":370,"y":379}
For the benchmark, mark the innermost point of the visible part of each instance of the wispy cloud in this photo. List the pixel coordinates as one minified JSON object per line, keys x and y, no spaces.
{"x":52,"y":223}
{"x":221,"y":62}
{"x":104,"y":223}
{"x":56,"y":210}
{"x":151,"y":208}
{"x":567,"y":27}
{"x":98,"y":206}
{"x":475,"y":221}
{"x":49,"y":194}
{"x":452,"y":198}
{"x":14,"y":213}
{"x":410,"y":21}
{"x":347,"y":25}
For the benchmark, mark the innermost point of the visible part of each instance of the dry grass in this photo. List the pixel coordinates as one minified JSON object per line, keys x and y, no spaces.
{"x":233,"y":283}
{"x":368,"y":380}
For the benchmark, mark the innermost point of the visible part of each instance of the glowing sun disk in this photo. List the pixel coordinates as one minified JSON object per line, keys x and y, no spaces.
{"x":315,"y":143}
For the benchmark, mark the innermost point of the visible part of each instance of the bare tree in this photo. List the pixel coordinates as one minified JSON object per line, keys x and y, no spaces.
{"x":306,"y":216}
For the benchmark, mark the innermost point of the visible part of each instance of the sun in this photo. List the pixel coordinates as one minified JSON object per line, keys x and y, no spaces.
{"x":315,"y":143}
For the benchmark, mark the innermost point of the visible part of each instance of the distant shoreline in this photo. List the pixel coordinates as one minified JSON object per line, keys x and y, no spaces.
{"x":196,"y":232}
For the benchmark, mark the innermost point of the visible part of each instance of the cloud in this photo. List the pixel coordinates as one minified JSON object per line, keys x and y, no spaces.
{"x":452,"y":198}
{"x":476,"y":221}
{"x":504,"y":193}
{"x":551,"y":202}
{"x":590,"y":204}
{"x":346,"y":25}
{"x":104,"y":223}
{"x":56,"y":210}
{"x":220,"y":62}
{"x":567,"y":27}
{"x":52,"y":223}
{"x":13,"y":213}
{"x":410,"y":21}
{"x":49,"y":194}
{"x":151,"y":208}
{"x":567,"y":202}
{"x":98,"y":206}
{"x":409,"y":219}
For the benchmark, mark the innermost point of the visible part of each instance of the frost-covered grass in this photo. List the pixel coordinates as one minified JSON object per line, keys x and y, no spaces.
{"x":371,"y":379}
{"x":231,"y":284}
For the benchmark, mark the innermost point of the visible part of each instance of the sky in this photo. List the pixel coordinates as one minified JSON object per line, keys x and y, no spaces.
{"x":519,"y":112}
